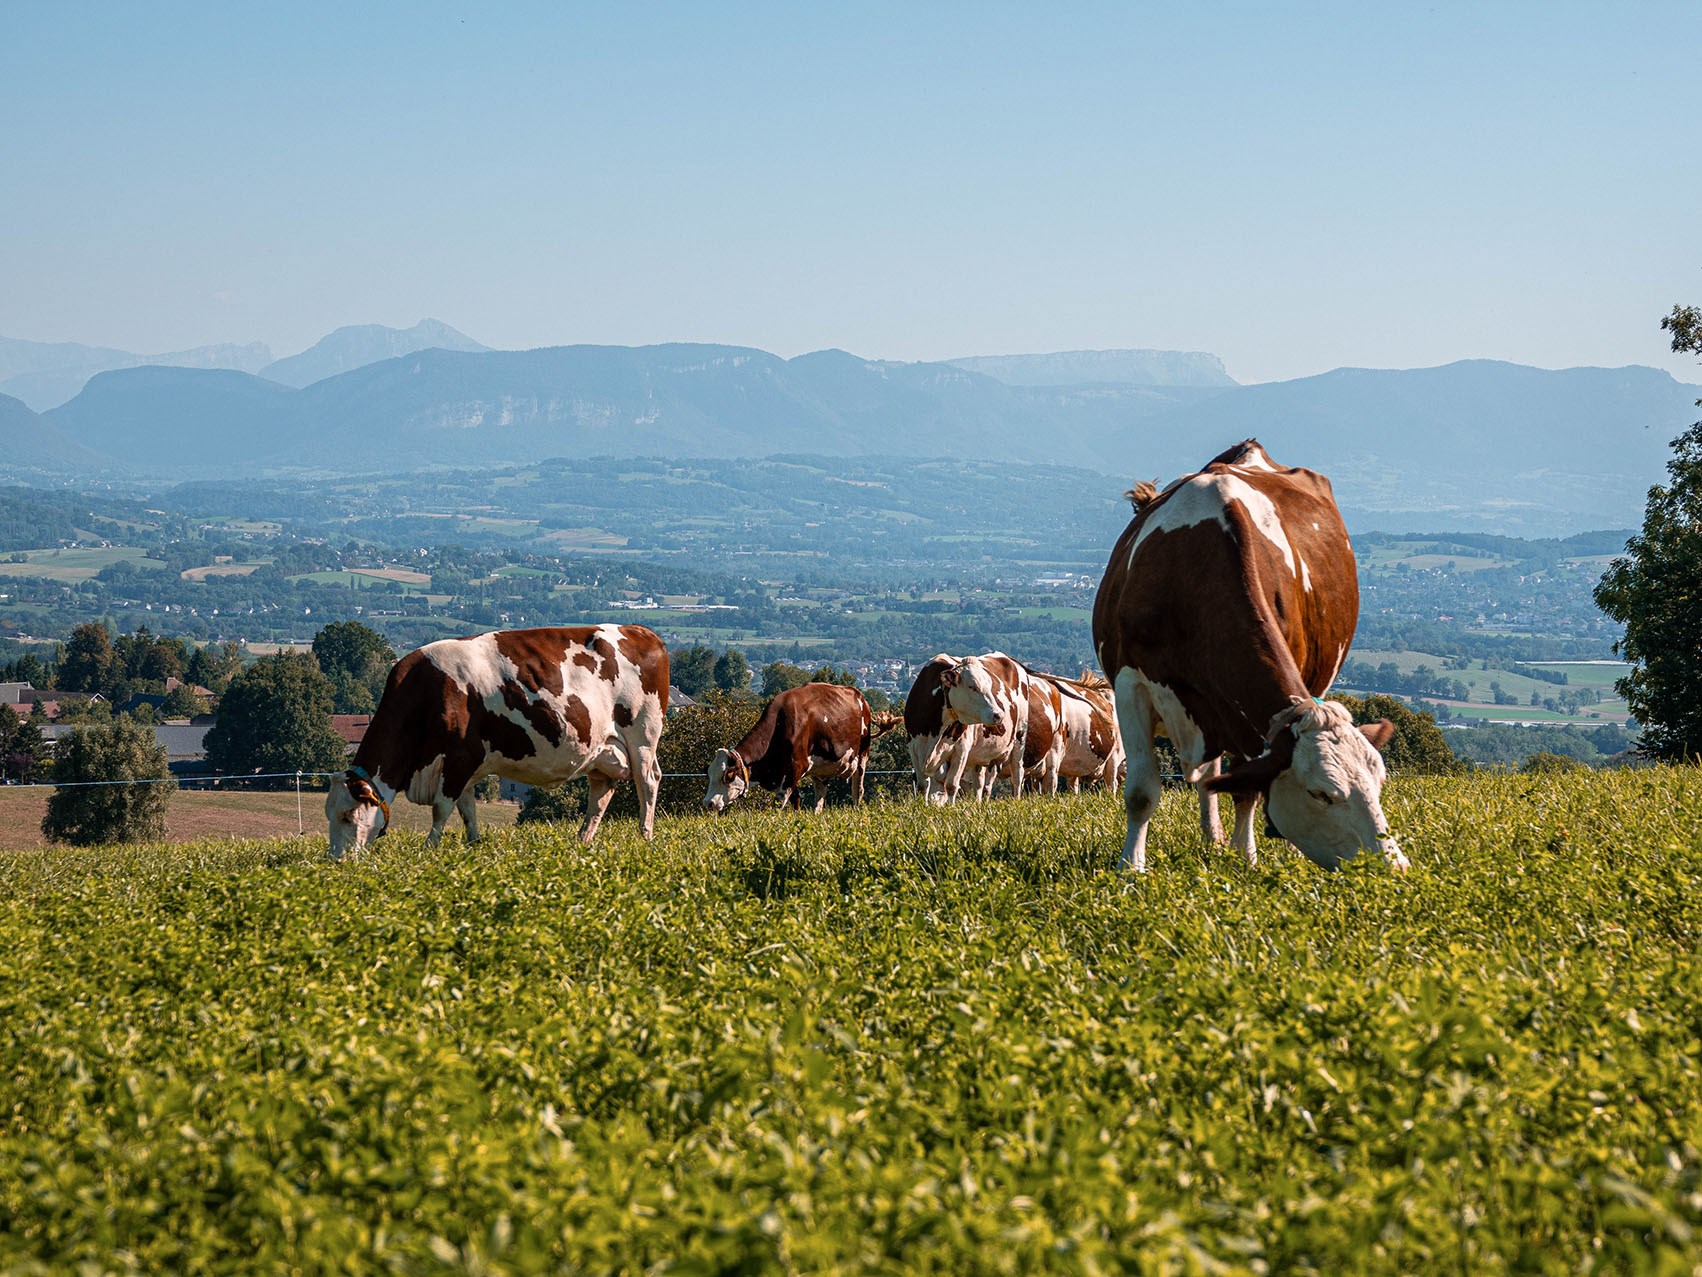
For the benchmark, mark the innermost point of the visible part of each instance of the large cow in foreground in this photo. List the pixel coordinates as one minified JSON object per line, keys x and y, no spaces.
{"x":971,"y":714}
{"x":818,"y":732}
{"x":1226,"y":610}
{"x":539,"y":706}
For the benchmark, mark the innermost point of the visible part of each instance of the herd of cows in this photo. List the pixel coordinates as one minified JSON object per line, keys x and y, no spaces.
{"x":1227,"y":607}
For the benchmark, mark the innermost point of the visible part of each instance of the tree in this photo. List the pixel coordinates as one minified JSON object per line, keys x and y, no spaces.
{"x":1417,"y":747}
{"x":85,"y":813}
{"x":24,"y":747}
{"x":732,"y":671}
{"x":214,"y":666}
{"x":781,"y":676}
{"x":87,"y":664}
{"x":180,"y":702}
{"x":693,"y":669}
{"x":276,"y":717}
{"x":1655,"y":591}
{"x":357,"y":660}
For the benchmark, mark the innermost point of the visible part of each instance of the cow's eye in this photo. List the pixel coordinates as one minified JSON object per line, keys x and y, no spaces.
{"x":1322,"y":796}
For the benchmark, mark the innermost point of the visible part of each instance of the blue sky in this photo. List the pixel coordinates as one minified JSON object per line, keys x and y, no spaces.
{"x":1293,"y":188}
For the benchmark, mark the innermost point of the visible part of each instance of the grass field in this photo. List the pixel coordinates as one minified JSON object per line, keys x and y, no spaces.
{"x":80,"y":564}
{"x":898,"y":1039}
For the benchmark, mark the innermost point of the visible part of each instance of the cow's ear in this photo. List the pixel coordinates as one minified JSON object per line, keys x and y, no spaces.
{"x":1379,"y":733}
{"x":1251,"y":777}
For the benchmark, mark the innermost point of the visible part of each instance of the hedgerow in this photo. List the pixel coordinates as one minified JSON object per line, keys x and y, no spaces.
{"x":896,"y":1038}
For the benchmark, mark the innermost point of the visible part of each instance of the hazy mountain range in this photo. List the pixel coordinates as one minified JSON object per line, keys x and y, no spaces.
{"x":1477,"y":444}
{"x":46,"y":374}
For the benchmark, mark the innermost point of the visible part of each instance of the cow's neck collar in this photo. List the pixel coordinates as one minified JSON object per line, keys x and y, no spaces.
{"x":386,"y":792}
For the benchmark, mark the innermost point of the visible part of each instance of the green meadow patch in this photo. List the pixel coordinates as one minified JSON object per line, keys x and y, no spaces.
{"x":894,"y":1038}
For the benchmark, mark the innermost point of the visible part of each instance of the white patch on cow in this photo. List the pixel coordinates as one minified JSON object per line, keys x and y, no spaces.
{"x":1205,"y":499}
{"x":1262,"y":510}
{"x":1305,"y":577}
{"x":1254,"y":459}
{"x":1194,"y":501}
{"x":425,"y":785}
{"x":1173,"y":721}
{"x":473,"y":663}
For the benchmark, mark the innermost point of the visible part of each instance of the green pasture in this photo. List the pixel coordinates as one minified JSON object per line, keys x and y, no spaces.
{"x":361,"y":581}
{"x":1519,"y":685}
{"x":894,"y":1039}
{"x":78,"y":564}
{"x":1428,"y":557}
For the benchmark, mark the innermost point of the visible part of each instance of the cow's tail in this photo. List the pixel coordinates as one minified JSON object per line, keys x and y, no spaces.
{"x":1143,"y":494}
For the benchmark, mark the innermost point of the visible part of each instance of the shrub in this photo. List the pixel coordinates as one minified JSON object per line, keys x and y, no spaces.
{"x":120,"y":750}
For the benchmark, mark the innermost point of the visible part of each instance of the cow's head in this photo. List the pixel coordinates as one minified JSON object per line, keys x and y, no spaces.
{"x":729,"y":777}
{"x":357,"y":812}
{"x":971,"y":691}
{"x":1322,"y":780}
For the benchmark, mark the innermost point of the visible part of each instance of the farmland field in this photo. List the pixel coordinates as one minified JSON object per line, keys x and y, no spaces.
{"x":896,"y":1039}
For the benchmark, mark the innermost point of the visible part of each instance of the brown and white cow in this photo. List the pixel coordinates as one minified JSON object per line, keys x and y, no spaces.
{"x":1093,"y":750}
{"x":968,"y":714}
{"x":818,"y":732}
{"x":1048,"y":734}
{"x":540,"y":706}
{"x":1227,"y":608}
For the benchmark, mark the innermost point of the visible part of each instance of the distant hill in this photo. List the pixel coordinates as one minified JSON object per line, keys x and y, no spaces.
{"x":46,"y":374}
{"x":1476,"y":445}
{"x":1087,"y":367}
{"x":360,"y":344}
{"x":30,"y":446}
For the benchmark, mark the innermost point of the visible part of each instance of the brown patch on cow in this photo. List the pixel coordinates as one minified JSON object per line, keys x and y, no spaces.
{"x":578,"y":717}
{"x":536,"y":655}
{"x":585,"y":661}
{"x":536,"y":712}
{"x":995,"y":729}
{"x":646,"y":652}
{"x":623,"y":714}
{"x":925,"y":706}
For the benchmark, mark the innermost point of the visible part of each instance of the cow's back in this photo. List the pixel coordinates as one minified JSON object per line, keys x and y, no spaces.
{"x":1224,"y":581}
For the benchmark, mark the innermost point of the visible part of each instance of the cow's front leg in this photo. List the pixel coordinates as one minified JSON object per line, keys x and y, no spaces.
{"x":1245,"y":806}
{"x":1140,"y":790}
{"x":468,"y":806}
{"x":442,"y":807}
{"x":821,"y":794}
{"x":602,"y":789}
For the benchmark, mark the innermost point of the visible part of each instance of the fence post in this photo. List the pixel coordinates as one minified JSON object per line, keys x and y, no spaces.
{"x":300,"y":828}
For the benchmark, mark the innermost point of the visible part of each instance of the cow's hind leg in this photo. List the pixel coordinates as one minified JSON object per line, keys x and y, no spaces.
{"x":1140,"y":790}
{"x":468,"y":806}
{"x":602,"y":789}
{"x":1211,"y":823}
{"x":640,"y":740}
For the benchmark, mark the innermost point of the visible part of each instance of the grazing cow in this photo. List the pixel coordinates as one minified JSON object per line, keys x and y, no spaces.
{"x":934,"y":734}
{"x":1093,"y":748}
{"x":1048,"y":735}
{"x":968,"y":714}
{"x":1226,"y":610}
{"x":818,"y":732}
{"x":540,"y":706}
